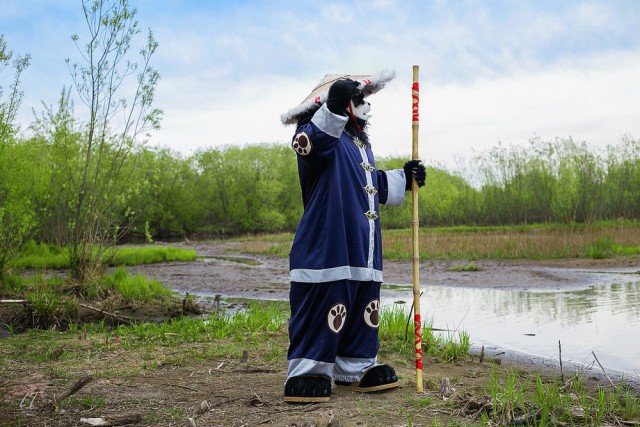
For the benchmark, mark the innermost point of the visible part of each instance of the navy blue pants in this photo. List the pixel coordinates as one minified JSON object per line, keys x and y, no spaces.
{"x":333,"y":330}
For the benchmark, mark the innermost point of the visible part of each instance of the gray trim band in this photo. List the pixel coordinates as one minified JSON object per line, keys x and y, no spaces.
{"x":361,"y":274}
{"x":329,"y":123}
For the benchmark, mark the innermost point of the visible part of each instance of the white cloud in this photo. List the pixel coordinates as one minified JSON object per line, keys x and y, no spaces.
{"x":594,"y":100}
{"x":590,"y":100}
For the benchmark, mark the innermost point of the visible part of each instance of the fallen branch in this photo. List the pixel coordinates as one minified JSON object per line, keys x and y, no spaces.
{"x":127,"y":320}
{"x":75,"y":387}
{"x":605,"y":372}
{"x":13,"y":301}
{"x":113,"y":421}
{"x":566,"y":384}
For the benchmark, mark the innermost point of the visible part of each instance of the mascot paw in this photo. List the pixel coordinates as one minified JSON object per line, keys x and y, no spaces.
{"x":414,"y":168}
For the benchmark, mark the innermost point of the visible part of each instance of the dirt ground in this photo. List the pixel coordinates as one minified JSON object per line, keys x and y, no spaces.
{"x":167,"y":388}
{"x":128,"y":389}
{"x":201,"y":384}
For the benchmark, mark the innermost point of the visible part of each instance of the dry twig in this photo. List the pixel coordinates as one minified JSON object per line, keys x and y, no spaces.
{"x":605,"y":372}
{"x":122,"y":319}
{"x":560,"y":357}
{"x":75,"y":387}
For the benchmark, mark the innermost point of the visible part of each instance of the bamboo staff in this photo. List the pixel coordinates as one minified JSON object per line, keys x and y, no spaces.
{"x":417,"y":322}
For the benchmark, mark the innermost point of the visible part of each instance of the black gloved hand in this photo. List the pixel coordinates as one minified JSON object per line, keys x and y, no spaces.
{"x":414,"y":168}
{"x":340,"y":93}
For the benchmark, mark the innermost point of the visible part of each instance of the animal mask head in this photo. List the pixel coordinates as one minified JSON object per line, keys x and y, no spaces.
{"x":359,"y":107}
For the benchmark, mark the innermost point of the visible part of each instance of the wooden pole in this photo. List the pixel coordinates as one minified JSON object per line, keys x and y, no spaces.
{"x":415,"y":225}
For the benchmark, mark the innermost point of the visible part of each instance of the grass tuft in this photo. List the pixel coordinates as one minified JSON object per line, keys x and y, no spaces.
{"x":42,"y":256}
{"x":467,"y":267}
{"x":397,"y":332}
{"x":136,"y":288}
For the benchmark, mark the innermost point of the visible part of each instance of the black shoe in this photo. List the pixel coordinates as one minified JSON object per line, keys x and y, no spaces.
{"x":380,"y":377}
{"x":307,"y":389}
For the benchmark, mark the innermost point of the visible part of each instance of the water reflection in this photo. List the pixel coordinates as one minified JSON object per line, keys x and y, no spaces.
{"x":604,"y":319}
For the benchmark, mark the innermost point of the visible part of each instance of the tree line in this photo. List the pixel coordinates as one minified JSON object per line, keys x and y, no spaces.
{"x":231,"y":190}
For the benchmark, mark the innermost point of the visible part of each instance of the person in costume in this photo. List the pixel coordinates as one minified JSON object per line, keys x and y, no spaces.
{"x":336,"y":257}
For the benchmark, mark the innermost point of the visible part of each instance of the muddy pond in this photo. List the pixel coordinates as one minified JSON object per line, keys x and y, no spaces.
{"x":585,"y":309}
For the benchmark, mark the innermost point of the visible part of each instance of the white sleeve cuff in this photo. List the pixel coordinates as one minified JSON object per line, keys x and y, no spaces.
{"x":396,"y":183}
{"x":329,"y":123}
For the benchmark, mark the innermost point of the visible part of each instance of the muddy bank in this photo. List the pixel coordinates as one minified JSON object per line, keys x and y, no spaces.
{"x":224,"y":270}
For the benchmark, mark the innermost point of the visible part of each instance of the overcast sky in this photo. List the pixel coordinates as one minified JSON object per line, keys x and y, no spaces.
{"x":490,"y":71}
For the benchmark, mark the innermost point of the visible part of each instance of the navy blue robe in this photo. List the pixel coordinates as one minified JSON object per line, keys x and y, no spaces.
{"x":336,"y":257}
{"x":339,"y":234}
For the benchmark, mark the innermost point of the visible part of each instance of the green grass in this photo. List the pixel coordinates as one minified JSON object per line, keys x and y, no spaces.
{"x":552,"y":403}
{"x":463,"y":267}
{"x":86,"y":402}
{"x":41,"y":256}
{"x":399,"y":336}
{"x":254,"y":325}
{"x":263,"y":319}
{"x":136,"y":287}
{"x":17,"y":286}
{"x":149,"y":255}
{"x":54,"y":302}
{"x":575,"y":226}
{"x":604,"y":247}
{"x":507,"y":396}
{"x":47,"y":295}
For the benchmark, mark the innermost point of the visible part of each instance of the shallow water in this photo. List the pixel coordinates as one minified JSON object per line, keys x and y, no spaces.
{"x":603,"y":319}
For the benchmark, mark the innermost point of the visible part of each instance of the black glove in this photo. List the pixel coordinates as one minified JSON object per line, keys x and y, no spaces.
{"x":340,"y":93}
{"x":414,"y":168}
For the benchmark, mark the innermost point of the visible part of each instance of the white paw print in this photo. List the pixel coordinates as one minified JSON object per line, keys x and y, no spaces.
{"x":336,"y":317}
{"x":372,"y":313}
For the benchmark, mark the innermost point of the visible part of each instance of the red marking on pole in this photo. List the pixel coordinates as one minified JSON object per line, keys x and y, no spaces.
{"x":416,"y":100}
{"x":418,"y":326}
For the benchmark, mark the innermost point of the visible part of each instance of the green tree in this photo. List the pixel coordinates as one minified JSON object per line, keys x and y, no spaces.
{"x":623,"y":179}
{"x":16,"y":217}
{"x":171,"y":202}
{"x":56,"y":159}
{"x":102,"y":84}
{"x":249,"y":189}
